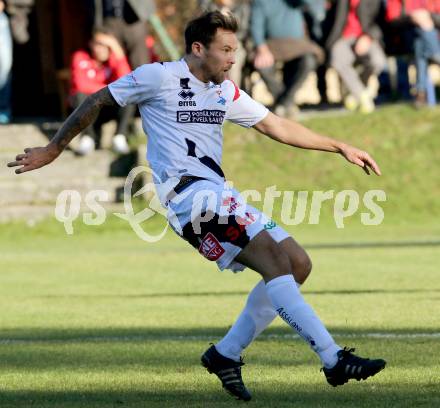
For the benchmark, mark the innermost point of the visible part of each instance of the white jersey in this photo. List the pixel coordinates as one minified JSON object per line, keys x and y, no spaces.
{"x":183,"y":118}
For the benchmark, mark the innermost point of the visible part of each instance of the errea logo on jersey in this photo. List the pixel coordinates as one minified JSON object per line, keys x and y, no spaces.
{"x":187,"y":103}
{"x":186,"y":94}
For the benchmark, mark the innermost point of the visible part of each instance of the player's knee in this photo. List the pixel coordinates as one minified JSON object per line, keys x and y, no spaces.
{"x":302,"y":267}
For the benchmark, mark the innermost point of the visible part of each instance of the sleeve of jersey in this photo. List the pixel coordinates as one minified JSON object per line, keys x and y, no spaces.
{"x":245,"y":111}
{"x":138,"y":86}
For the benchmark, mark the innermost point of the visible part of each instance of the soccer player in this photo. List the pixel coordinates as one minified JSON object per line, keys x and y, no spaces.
{"x":183,"y":105}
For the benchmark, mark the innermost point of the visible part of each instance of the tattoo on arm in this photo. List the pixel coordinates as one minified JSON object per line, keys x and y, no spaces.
{"x":82,"y":117}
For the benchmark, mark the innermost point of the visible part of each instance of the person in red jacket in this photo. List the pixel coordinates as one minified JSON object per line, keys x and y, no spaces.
{"x":92,"y":70}
{"x":355,"y":39}
{"x":417,"y":23}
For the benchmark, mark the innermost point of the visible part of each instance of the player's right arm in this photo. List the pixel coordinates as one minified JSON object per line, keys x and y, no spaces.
{"x":83,"y":116}
{"x":141,"y":85}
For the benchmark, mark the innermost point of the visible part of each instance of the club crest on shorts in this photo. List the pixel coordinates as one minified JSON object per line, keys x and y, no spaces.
{"x":210,"y":248}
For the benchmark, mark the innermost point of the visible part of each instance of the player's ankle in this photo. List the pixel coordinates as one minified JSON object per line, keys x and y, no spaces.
{"x":226,"y":351}
{"x":329,"y":356}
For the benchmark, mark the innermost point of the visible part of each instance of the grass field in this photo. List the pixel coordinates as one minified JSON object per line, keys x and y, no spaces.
{"x":103,"y":319}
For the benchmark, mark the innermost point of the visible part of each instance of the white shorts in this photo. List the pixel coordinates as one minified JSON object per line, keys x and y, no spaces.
{"x":218,"y":222}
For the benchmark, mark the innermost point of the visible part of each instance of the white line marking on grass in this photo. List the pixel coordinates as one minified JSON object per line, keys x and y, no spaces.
{"x":141,"y":338}
{"x":396,"y":336}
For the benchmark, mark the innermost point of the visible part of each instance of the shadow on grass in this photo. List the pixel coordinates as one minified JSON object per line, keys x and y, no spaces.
{"x":117,"y":349}
{"x":357,"y":395}
{"x":122,"y":334}
{"x":229,"y":293}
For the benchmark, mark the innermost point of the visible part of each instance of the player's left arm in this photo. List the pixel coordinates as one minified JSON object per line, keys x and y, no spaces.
{"x":294,"y":134}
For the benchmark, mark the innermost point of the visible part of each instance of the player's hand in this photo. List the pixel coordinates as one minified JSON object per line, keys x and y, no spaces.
{"x":360,"y":158}
{"x":34,"y":158}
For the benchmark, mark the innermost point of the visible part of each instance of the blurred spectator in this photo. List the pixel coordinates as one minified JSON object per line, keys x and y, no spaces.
{"x":242,"y":10}
{"x":354,"y":40}
{"x":315,"y":13}
{"x":127,"y":20}
{"x":91,"y":71}
{"x":277,"y":29}
{"x":418,"y":22}
{"x":317,"y":19}
{"x":5,"y":66}
{"x":19,"y":11}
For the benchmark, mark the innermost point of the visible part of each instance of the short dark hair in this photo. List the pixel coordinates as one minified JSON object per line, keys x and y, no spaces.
{"x":203,"y":29}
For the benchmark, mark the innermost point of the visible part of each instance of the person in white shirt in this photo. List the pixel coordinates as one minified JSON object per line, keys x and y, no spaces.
{"x":183,"y":105}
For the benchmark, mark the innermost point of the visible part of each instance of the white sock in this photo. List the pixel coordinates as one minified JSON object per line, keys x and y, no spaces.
{"x":292,"y":308}
{"x":255,"y":317}
{"x":257,"y":314}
